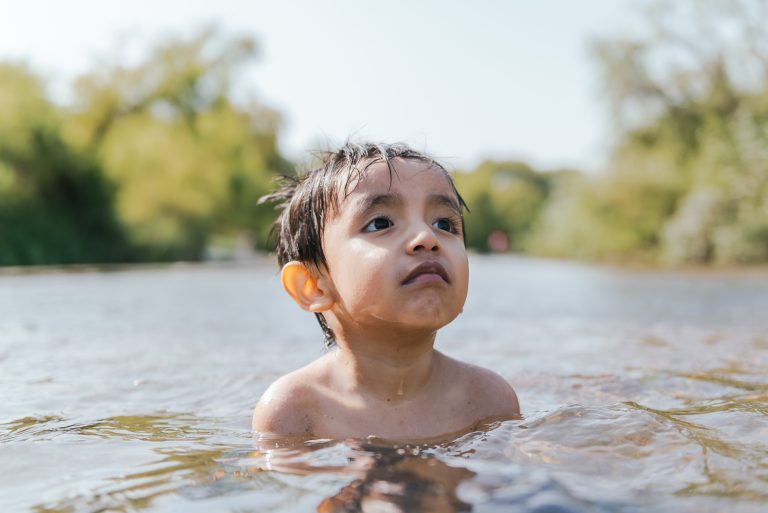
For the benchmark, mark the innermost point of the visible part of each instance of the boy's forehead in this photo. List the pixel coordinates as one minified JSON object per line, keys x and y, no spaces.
{"x":380,"y":178}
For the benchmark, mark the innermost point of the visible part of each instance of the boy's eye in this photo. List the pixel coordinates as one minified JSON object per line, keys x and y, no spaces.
{"x":445,"y":224}
{"x":380,"y":223}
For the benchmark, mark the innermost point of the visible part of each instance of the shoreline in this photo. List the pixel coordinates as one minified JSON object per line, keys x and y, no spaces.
{"x":259,"y":258}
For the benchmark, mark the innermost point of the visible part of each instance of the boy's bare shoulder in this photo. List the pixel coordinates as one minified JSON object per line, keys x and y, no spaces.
{"x":490,"y":394}
{"x":287,"y":406}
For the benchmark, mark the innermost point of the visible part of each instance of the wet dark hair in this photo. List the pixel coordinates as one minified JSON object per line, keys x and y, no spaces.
{"x":310,"y":198}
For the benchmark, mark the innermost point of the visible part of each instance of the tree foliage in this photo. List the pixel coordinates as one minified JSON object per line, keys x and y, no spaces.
{"x":55,"y":204}
{"x":190,"y":162}
{"x":688,"y":179}
{"x":152,"y":161}
{"x":504,"y":197}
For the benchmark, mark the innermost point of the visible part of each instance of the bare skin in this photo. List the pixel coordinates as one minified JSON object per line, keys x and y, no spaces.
{"x":397,"y":272}
{"x":447,"y":397}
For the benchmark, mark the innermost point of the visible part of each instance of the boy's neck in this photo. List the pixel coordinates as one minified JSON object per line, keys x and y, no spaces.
{"x":389,"y":370}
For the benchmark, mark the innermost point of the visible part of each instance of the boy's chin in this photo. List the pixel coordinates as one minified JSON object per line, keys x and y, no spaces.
{"x":408,"y":317}
{"x":428,"y":310}
{"x":425,"y":321}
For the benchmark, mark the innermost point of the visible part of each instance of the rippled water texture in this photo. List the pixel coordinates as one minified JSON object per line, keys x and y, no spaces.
{"x":131,"y":390}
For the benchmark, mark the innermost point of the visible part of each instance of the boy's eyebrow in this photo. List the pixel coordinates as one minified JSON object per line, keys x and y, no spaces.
{"x":444,"y":200}
{"x":393,"y":199}
{"x":372,"y":201}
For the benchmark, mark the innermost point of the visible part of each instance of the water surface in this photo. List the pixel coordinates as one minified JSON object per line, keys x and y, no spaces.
{"x":131,"y":390}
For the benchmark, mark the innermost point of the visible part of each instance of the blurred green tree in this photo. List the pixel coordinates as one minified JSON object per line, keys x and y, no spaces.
{"x":55,"y":204}
{"x":189,"y":161}
{"x":504,"y":197}
{"x":688,"y":178}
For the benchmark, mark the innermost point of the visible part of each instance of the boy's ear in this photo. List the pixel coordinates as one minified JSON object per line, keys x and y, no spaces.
{"x":303,"y":287}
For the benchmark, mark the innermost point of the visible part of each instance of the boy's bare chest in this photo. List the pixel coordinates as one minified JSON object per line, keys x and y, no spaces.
{"x":424,"y":417}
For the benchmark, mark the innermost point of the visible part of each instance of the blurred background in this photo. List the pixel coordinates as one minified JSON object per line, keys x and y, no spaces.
{"x":631,"y":131}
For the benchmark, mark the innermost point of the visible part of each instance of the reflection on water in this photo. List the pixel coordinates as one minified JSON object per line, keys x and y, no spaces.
{"x":151,"y":428}
{"x":401,"y":479}
{"x":131,"y":391}
{"x":574,"y":458}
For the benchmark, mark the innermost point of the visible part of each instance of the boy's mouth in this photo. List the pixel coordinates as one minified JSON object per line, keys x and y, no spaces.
{"x":427,"y":272}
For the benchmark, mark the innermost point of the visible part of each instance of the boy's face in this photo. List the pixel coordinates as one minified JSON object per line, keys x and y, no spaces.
{"x":395,"y":251}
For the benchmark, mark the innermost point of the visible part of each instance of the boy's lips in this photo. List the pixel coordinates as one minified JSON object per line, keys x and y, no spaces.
{"x":427,"y":271}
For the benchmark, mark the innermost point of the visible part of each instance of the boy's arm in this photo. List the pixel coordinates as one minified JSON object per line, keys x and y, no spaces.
{"x":282,"y":410}
{"x":499,"y":399}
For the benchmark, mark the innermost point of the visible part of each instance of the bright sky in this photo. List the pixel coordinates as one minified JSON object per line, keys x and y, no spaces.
{"x":463,"y":80}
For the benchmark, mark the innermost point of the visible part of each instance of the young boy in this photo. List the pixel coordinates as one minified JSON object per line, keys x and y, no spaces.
{"x":372,"y":242}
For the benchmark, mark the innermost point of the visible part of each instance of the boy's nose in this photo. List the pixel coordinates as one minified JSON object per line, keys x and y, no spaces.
{"x":424,"y":240}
